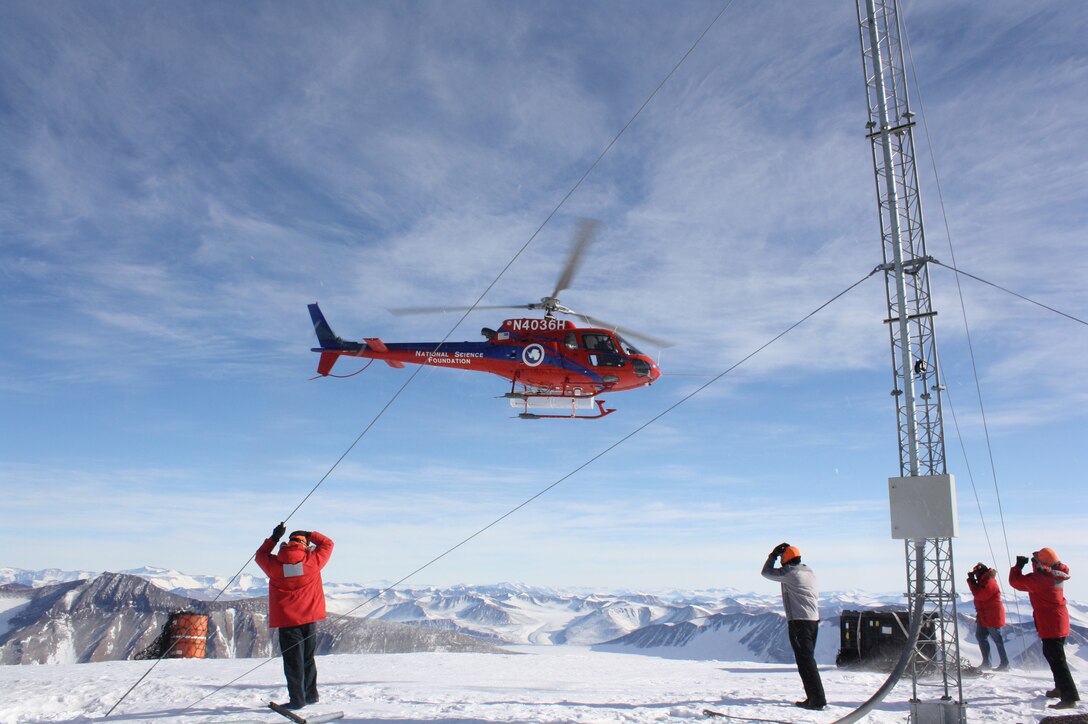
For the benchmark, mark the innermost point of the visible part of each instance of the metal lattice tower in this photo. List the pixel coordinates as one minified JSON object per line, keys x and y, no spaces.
{"x":916,"y":386}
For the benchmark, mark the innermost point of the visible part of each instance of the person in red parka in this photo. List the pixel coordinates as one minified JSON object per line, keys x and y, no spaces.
{"x":989,"y":613}
{"x":1044,"y":587}
{"x":296,"y":602}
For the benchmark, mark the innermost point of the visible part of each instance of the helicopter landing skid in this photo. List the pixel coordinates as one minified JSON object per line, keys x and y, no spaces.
{"x":552,"y":402}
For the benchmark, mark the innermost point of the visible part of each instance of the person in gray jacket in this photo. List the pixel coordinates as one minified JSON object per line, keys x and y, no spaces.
{"x":801,"y":601}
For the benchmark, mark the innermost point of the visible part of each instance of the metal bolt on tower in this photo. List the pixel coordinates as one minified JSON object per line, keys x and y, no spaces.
{"x":916,"y":389}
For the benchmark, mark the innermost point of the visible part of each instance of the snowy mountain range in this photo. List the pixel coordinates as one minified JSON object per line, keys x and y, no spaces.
{"x":51,"y":615}
{"x":117,"y":616}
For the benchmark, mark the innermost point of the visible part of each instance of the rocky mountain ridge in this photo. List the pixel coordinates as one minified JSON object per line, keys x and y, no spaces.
{"x":116,"y":616}
{"x":67,"y":621}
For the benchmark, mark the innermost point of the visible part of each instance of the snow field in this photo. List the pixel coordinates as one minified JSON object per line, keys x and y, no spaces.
{"x":531,"y":684}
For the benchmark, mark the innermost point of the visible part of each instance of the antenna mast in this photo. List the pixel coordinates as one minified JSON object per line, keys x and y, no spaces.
{"x":923,"y":487}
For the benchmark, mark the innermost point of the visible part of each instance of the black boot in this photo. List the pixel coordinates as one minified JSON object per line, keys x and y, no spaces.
{"x":809,"y":704}
{"x":1064,"y":704}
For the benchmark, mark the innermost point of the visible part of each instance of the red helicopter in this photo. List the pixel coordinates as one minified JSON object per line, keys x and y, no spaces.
{"x":556,"y":369}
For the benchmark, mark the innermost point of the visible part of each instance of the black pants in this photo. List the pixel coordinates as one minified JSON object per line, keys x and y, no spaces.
{"x":1054,"y":651}
{"x":297,"y":646}
{"x":803,"y":641}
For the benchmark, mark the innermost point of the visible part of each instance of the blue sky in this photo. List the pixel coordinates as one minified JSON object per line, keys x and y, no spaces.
{"x":180,"y":180}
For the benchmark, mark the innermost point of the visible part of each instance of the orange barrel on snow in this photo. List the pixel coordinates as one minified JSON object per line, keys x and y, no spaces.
{"x":188,"y":635}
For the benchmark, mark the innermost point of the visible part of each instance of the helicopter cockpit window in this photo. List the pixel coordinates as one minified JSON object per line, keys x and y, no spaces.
{"x":607,"y":359}
{"x":599,"y":343}
{"x":571,"y":340}
{"x":627,"y":346}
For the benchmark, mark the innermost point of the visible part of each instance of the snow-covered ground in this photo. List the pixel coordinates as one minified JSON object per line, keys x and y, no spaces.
{"x":531,"y":684}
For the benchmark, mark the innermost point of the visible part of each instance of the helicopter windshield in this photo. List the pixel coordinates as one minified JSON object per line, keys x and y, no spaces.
{"x":596,"y":342}
{"x":627,"y":346}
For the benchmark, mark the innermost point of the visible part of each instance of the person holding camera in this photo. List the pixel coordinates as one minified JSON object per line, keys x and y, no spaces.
{"x":800,"y":599}
{"x":296,"y":602}
{"x":1044,"y":586}
{"x":989,"y":613}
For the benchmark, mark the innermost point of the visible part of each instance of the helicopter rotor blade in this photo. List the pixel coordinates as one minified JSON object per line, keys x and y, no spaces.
{"x":624,"y":331}
{"x":586,"y":231}
{"x":405,"y":311}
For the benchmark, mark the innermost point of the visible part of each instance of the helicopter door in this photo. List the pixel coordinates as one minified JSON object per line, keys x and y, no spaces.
{"x":602,"y":350}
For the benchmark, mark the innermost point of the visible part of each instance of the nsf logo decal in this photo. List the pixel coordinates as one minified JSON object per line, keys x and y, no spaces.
{"x":532,"y":355}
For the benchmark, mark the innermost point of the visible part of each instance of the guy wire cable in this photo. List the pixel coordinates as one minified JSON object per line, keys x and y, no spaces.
{"x":916,"y":622}
{"x":340,"y":459}
{"x":573,"y":472}
{"x":458,"y":323}
{"x":1005,"y":593}
{"x":967,"y":463}
{"x":963,"y":309}
{"x":970,"y":344}
{"x":1008,"y":291}
{"x":966,"y":327}
{"x":1014,"y":593}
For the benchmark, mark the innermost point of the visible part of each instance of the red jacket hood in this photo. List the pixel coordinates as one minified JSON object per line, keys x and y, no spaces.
{"x":291,"y":552}
{"x":1059,"y":571}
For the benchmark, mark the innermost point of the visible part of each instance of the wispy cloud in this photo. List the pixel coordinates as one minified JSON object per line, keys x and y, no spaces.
{"x":180,"y":184}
